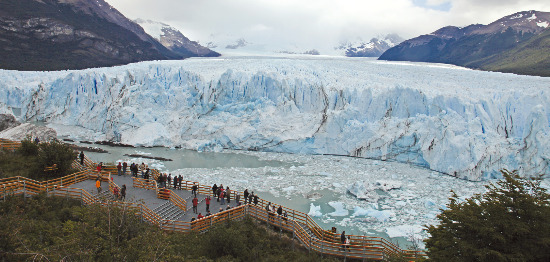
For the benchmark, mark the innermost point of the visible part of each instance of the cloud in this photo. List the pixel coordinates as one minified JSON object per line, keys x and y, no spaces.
{"x":319,"y":23}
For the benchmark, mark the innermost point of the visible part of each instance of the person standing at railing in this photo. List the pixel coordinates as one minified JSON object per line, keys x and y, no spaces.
{"x":343,"y":240}
{"x":195,"y":204}
{"x":119,"y":168}
{"x":280,"y":211}
{"x":142,"y":168}
{"x":255,"y":199}
{"x":81,"y":157}
{"x":124,"y":167}
{"x":200,"y":216}
{"x":176,"y":182}
{"x":245,"y":194}
{"x":214,"y":189}
{"x":250,"y":197}
{"x":347,"y":243}
{"x":238,"y":199}
{"x":194,"y":189}
{"x":169,"y":178}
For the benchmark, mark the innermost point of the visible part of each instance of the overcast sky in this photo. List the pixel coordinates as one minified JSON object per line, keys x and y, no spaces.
{"x":318,"y":23}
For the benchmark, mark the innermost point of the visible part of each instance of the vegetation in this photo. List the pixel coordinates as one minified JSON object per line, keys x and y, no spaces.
{"x":59,"y":229}
{"x":510,"y":222}
{"x":31,"y":160}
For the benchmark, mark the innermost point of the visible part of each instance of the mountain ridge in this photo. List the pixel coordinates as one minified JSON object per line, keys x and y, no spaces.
{"x":481,"y":46}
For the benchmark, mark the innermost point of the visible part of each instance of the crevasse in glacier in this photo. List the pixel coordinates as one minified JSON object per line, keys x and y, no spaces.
{"x":464,"y":123}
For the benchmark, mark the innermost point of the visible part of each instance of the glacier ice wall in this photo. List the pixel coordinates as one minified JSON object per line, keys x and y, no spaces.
{"x":465,"y":123}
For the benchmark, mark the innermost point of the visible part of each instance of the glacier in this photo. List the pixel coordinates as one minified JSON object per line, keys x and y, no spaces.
{"x":465,"y":123}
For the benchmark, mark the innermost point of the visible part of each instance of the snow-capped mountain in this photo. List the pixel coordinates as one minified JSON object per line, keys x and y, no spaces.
{"x":465,"y":123}
{"x":374,"y":48}
{"x":491,"y":47}
{"x":174,"y":40}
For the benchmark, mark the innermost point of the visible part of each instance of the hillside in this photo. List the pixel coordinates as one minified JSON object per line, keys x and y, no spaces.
{"x":515,"y":43}
{"x":76,"y":34}
{"x":530,"y":58}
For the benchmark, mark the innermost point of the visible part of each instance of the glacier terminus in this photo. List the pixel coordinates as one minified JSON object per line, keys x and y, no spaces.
{"x":465,"y":123}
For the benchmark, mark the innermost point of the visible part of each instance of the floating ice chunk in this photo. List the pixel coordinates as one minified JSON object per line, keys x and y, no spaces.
{"x":387,"y":185}
{"x":381,"y":216}
{"x":314,"y":211}
{"x":360,"y":190}
{"x":403,"y":230}
{"x":339,"y":211}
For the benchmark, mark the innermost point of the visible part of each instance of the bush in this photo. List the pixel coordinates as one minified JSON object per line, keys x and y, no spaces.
{"x":28,"y":147}
{"x":510,"y":222}
{"x":54,"y":153}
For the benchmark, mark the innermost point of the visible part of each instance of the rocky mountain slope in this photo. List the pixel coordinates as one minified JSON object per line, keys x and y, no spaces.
{"x":516,"y":43}
{"x":174,"y":40}
{"x":374,"y":48}
{"x":71,"y":34}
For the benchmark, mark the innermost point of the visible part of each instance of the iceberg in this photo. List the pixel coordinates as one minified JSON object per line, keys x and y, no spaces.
{"x":339,"y":211}
{"x":464,"y":123}
{"x":314,"y":211}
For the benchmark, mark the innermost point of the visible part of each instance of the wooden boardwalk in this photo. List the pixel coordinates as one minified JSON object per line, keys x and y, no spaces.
{"x":171,"y":209}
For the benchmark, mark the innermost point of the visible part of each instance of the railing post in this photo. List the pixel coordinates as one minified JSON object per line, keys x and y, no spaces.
{"x":24,"y":189}
{"x":364,"y":249}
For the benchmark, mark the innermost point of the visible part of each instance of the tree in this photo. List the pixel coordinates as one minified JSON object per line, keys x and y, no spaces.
{"x":510,"y":222}
{"x":54,"y":153}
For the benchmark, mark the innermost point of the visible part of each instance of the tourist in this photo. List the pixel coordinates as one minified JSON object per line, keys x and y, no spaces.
{"x":221,"y":210}
{"x":200,"y":216}
{"x":99,"y":166}
{"x":285,"y":217}
{"x":169,"y":178}
{"x":222,"y":197}
{"x":98,"y":184}
{"x":347,"y":243}
{"x":194,"y":188}
{"x":245,"y":193}
{"x":218,"y":193}
{"x":179,"y":181}
{"x":208,"y":213}
{"x":214,"y":190}
{"x":269,"y":211}
{"x":228,"y":195}
{"x":228,"y":207}
{"x":280,"y":211}
{"x":250,"y":198}
{"x":195,"y":204}
{"x":343,"y":239}
{"x":124,"y":167}
{"x":81,"y":157}
{"x":115,"y":192}
{"x":119,"y":168}
{"x":238,"y":199}
{"x":142,"y":168}
{"x":255,"y":199}
{"x":207,"y":201}
{"x":175,"y":182}
{"x":123,"y":193}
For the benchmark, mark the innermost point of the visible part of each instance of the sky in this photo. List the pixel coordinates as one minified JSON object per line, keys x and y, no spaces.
{"x":317,"y":24}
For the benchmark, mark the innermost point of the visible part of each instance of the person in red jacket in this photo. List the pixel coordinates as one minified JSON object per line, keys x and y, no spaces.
{"x":200,"y":216}
{"x":207,"y":200}
{"x":195,"y":204}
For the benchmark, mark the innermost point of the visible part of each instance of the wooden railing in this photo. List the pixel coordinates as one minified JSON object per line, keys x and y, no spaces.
{"x":9,"y":145}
